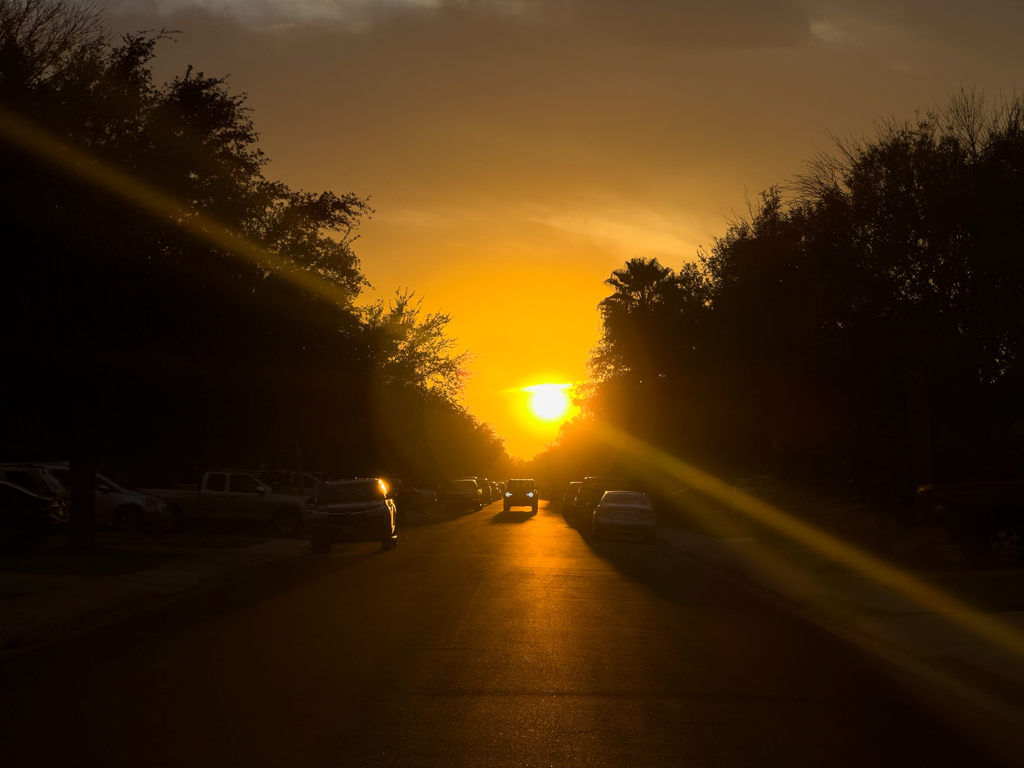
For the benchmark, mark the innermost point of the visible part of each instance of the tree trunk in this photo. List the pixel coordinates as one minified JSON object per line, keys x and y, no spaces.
{"x":916,"y":387}
{"x":82,"y":521}
{"x":84,"y":461}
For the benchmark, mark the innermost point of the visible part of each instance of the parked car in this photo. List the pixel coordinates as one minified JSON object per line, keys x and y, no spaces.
{"x":521,"y":493}
{"x":286,"y":481}
{"x":26,"y":516}
{"x":624,"y":512}
{"x":352,"y":510}
{"x":569,"y":497}
{"x":589,"y":494}
{"x":463,"y":494}
{"x":36,"y":477}
{"x":988,"y":515}
{"x":117,"y":504}
{"x":234,"y":495}
{"x":484,"y":485}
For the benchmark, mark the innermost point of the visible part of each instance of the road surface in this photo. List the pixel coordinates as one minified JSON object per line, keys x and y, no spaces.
{"x":489,"y":639}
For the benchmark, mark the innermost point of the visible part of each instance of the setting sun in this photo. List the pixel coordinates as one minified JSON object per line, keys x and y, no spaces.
{"x":548,"y":402}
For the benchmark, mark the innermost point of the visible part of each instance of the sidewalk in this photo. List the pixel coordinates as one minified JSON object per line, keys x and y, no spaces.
{"x":941,"y":646}
{"x":44,"y":597}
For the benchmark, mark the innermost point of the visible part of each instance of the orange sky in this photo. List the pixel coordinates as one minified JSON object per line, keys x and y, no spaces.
{"x":518,"y":151}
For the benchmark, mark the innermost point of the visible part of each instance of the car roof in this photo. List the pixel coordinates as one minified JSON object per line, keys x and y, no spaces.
{"x":626,"y":497}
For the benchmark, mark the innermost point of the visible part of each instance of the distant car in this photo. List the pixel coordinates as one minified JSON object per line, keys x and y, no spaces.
{"x":521,"y":493}
{"x":463,"y":494}
{"x":569,"y":497}
{"x":27,"y":516}
{"x":624,"y":512}
{"x":352,"y":510}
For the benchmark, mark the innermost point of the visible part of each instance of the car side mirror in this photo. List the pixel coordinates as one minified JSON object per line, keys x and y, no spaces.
{"x":260,"y":490}
{"x":103,"y":488}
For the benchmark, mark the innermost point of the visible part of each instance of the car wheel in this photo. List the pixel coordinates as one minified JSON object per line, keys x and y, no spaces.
{"x":386,"y":544}
{"x":535,"y":509}
{"x":1006,"y":543}
{"x":286,"y":522}
{"x":129,"y":519}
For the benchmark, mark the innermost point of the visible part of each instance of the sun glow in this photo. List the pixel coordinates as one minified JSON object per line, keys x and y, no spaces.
{"x":548,"y":402}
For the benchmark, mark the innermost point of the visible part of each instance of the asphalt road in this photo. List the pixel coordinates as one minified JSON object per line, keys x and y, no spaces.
{"x":490,"y":639}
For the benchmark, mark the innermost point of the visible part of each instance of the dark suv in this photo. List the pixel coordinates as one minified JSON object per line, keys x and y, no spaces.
{"x":352,"y":510}
{"x":521,"y":493}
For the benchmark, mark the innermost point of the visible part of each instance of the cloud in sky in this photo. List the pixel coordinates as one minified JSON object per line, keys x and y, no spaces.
{"x":644,"y":22}
{"x":353,"y":13}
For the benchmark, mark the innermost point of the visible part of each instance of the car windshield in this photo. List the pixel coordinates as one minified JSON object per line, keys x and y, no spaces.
{"x":351,"y":493}
{"x":520,"y":485}
{"x":463,"y":485}
{"x":623,"y":498}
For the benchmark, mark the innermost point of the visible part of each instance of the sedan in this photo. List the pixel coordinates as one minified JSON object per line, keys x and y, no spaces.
{"x":624,"y":512}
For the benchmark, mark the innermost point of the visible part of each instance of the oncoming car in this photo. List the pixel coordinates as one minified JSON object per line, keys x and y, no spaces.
{"x":352,"y":510}
{"x":624,"y":512}
{"x":521,"y":493}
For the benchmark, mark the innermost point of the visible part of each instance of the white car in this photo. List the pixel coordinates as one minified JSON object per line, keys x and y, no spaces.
{"x":624,"y":512}
{"x":126,"y":509}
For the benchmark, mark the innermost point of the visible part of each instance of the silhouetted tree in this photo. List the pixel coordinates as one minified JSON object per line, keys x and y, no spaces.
{"x":164,"y":303}
{"x":885,"y":281}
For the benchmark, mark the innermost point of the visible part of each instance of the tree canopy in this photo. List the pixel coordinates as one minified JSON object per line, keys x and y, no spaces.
{"x":169,"y":306}
{"x":788,"y":348}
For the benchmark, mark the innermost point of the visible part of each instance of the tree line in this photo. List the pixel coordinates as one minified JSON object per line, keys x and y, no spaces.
{"x":167,"y":307}
{"x":858,"y":333}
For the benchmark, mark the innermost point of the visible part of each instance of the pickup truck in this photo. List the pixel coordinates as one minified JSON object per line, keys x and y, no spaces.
{"x":990,"y":515}
{"x":228,"y":495}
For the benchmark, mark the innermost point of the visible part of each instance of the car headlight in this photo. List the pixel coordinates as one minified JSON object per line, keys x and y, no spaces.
{"x":530,"y":494}
{"x":508,"y":494}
